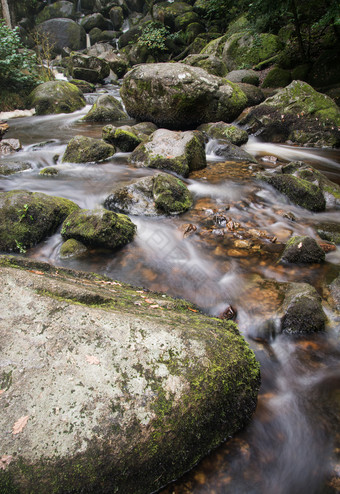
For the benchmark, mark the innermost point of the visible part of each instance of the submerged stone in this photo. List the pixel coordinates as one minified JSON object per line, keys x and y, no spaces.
{"x":26,"y":218}
{"x":117,"y":397}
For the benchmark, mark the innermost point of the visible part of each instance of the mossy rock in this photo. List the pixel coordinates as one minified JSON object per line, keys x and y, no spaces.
{"x":334,"y":289}
{"x":72,"y":248}
{"x":99,"y":228}
{"x":56,"y":97}
{"x":153,"y":391}
{"x":328,"y":230}
{"x":10,"y":167}
{"x":303,"y":312}
{"x":151,"y":196}
{"x":299,"y":191}
{"x":84,"y":86}
{"x":302,"y":250}
{"x":27,"y":218}
{"x":167,"y":12}
{"x":229,"y":152}
{"x":61,"y":9}
{"x":182,"y":21}
{"x":221,"y":130}
{"x":63,"y":33}
{"x":125,"y":138}
{"x":193,"y":30}
{"x":254,"y":94}
{"x":178,"y":152}
{"x":247,"y":76}
{"x":49,"y":171}
{"x":211,"y":64}
{"x":83,"y":149}
{"x":106,"y":109}
{"x":88,"y":68}
{"x":277,"y":77}
{"x":95,"y":20}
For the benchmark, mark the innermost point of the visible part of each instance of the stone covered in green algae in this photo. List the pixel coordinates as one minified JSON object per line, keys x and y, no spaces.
{"x":88,"y":68}
{"x":329,"y":230}
{"x":26,"y":218}
{"x":211,"y":64}
{"x":178,"y":152}
{"x":132,"y":396}
{"x":125,"y":137}
{"x":299,"y":191}
{"x":10,"y":167}
{"x":178,"y":96}
{"x":83,"y":149}
{"x":99,"y":228}
{"x":106,"y":109}
{"x":56,"y":97}
{"x":150,"y":196}
{"x":49,"y":171}
{"x":277,"y":77}
{"x":221,"y":130}
{"x":72,"y":248}
{"x":61,"y":9}
{"x":84,"y":86}
{"x":303,"y":312}
{"x":302,"y":250}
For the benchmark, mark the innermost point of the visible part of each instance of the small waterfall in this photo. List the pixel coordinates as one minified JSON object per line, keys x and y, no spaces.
{"x":88,"y":40}
{"x":126,"y":25}
{"x":78,"y":8}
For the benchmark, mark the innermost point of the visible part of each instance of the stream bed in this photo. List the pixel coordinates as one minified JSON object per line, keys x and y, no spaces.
{"x":223,"y":252}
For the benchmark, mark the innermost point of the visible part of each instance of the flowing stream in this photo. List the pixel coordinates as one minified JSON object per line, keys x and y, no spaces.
{"x":230,"y":259}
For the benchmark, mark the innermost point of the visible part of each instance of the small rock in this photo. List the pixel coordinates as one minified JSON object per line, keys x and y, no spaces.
{"x":302,"y":250}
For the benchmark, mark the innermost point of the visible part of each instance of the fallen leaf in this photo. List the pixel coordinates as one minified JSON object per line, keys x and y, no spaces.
{"x":300,"y":245}
{"x":20,"y":424}
{"x":148,"y":300}
{"x":5,"y":461}
{"x":139,"y":291}
{"x":155,"y":306}
{"x":192,"y":310}
{"x":36,"y":272}
{"x":91,"y":359}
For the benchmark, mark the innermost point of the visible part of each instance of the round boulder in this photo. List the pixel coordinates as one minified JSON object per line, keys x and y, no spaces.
{"x":99,"y":228}
{"x":56,"y":97}
{"x":88,"y":68}
{"x":106,"y":109}
{"x":63,"y":33}
{"x":178,"y":96}
{"x":61,"y":9}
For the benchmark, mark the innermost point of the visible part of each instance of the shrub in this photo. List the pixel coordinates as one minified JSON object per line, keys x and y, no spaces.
{"x":17,"y":64}
{"x":153,"y":37}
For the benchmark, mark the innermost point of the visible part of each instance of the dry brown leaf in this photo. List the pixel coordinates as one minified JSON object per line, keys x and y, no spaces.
{"x":5,"y":461}
{"x":192,"y":310}
{"x":36,"y":272}
{"x":155,"y":306}
{"x":91,"y":359}
{"x":148,"y":300}
{"x":20,"y":424}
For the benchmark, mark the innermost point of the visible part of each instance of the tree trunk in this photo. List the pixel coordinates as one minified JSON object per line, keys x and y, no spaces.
{"x":6,"y":14}
{"x":298,"y":30}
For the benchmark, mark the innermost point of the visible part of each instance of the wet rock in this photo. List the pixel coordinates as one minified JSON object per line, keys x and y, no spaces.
{"x":95,"y":20}
{"x":277,"y":77}
{"x":334,"y":289}
{"x":56,"y":97}
{"x":116,"y":61}
{"x":106,"y":109}
{"x":123,"y":137}
{"x":10,"y":167}
{"x":302,"y":309}
{"x":211,"y":64}
{"x":8,"y":146}
{"x":56,"y":10}
{"x":49,"y":171}
{"x":247,"y":76}
{"x":3,"y":129}
{"x":296,"y":113}
{"x":229,"y":151}
{"x":178,"y":96}
{"x":72,"y":248}
{"x":298,"y":190}
{"x":63,"y":33}
{"x":150,"y":196}
{"x":329,"y":230}
{"x":302,"y":250}
{"x":179,"y":152}
{"x":88,"y":68}
{"x":122,"y":409}
{"x":26,"y":218}
{"x":145,"y":128}
{"x":221,"y":130}
{"x":254,"y":94}
{"x":83,"y":149}
{"x":99,"y":228}
{"x":84,"y":86}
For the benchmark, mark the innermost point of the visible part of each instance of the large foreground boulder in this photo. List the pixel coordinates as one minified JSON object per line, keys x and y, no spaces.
{"x":298,"y":114}
{"x":178,"y":152}
{"x":56,"y":97}
{"x":102,"y":392}
{"x":26,"y":218}
{"x":151,"y":196}
{"x":178,"y":96}
{"x":63,"y":33}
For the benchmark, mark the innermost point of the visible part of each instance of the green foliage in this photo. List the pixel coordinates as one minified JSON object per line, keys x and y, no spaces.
{"x":153,"y":37}
{"x":17,"y":64}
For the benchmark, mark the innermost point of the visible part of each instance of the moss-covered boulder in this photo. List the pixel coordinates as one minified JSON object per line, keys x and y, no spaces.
{"x":277,"y":77}
{"x":302,"y":250}
{"x":246,"y":49}
{"x":117,"y":62}
{"x":299,"y":191}
{"x":296,"y":113}
{"x":211,"y":64}
{"x":167,"y":13}
{"x":125,"y":137}
{"x":302,"y":308}
{"x":95,"y":20}
{"x":254,"y":94}
{"x":60,"y":9}
{"x":84,"y":86}
{"x":63,"y":33}
{"x":328,"y":230}
{"x":26,"y":218}
{"x":179,"y":96}
{"x":10,"y":167}
{"x":221,"y":130}
{"x":128,"y":397}
{"x":56,"y":97}
{"x":178,"y":152}
{"x":248,"y":76}
{"x":83,"y":149}
{"x":229,"y":152}
{"x":72,"y":248}
{"x":151,"y":196}
{"x":99,"y":228}
{"x":88,"y":68}
{"x":49,"y":171}
{"x":117,"y":17}
{"x":106,"y":109}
